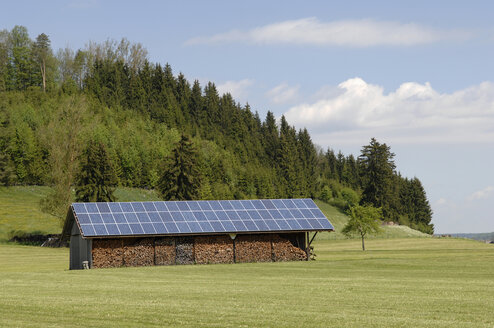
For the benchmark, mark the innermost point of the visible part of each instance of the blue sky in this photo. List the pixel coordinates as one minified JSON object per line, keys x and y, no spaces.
{"x":418,"y":75}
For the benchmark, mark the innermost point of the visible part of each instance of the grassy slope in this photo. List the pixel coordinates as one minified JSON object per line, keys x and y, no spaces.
{"x":20,"y":211}
{"x":411,"y":282}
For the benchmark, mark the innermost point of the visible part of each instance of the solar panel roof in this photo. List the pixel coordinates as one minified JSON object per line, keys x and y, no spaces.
{"x":199,"y":217}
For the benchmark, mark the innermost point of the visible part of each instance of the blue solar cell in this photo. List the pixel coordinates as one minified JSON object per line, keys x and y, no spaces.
{"x":299,"y":203}
{"x":183,"y":227}
{"x":288,"y":203}
{"x":95,"y":218}
{"x":143,"y":217}
{"x":217,"y":226}
{"x":88,"y":230}
{"x":251,"y":226}
{"x":247,"y":204}
{"x":194,"y":227}
{"x":100,"y":229}
{"x":296,"y":214}
{"x":222,"y":216}
{"x":306,"y":213}
{"x":232,"y":215}
{"x":210,"y":216}
{"x":305,"y":224}
{"x":265,"y":215}
{"x":315,"y":224}
{"x":206,"y":227}
{"x":79,"y":208}
{"x":258,"y":205}
{"x":189,"y":216}
{"x":119,"y":218}
{"x":112,"y":229}
{"x":243,"y":215}
{"x":275,"y":214}
{"x":283,"y":225}
{"x":124,"y":229}
{"x":262,"y":225}
{"x":149,"y":207}
{"x":278,"y":203}
{"x":171,"y":227}
{"x":103,"y":207}
{"x":107,"y":218}
{"x":83,"y":219}
{"x":166,"y":216}
{"x":317,"y":213}
{"x":228,"y":225}
{"x":194,"y":206}
{"x":115,"y":207}
{"x":204,"y":205}
{"x":254,"y":215}
{"x":126,"y":207}
{"x":148,"y":228}
{"x":309,"y":203}
{"x":137,"y":207}
{"x":215,"y":205}
{"x":131,"y":217}
{"x":239,"y":225}
{"x":91,"y":208}
{"x":268,"y":204}
{"x":286,"y":214}
{"x":325,"y":223}
{"x":183,"y":206}
{"x":136,"y":228}
{"x":294,"y":224}
{"x":161,"y":206}
{"x":154,"y":217}
{"x":272,"y":225}
{"x":226,"y":205}
{"x":240,"y":204}
{"x":177,"y":216}
{"x":200,"y":216}
{"x":172,"y":206}
{"x":160,"y":228}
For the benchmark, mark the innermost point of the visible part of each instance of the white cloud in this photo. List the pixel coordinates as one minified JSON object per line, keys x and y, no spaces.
{"x":283,"y":93}
{"x":353,"y":33}
{"x":414,"y":113}
{"x":238,"y":89}
{"x":441,"y":201}
{"x":481,"y":194}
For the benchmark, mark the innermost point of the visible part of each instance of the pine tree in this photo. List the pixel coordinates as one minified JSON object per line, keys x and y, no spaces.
{"x":7,"y":175}
{"x":96,"y":179}
{"x":181,"y":178}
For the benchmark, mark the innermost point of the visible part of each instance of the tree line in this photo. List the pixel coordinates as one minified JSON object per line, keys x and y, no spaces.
{"x":55,"y":107}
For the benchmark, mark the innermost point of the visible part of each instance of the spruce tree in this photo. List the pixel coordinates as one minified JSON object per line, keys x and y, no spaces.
{"x":181,"y":177}
{"x":96,"y":180}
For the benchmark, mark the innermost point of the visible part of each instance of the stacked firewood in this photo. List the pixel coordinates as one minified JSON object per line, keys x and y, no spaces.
{"x":107,"y":253}
{"x":213,"y":249}
{"x":138,"y":251}
{"x":164,"y":251}
{"x":283,"y":250}
{"x":253,"y":248}
{"x":184,"y":247}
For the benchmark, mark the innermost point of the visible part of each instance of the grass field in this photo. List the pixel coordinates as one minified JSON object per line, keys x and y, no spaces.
{"x":424,"y":282}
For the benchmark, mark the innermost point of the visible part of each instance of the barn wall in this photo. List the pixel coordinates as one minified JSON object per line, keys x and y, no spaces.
{"x":117,"y":252}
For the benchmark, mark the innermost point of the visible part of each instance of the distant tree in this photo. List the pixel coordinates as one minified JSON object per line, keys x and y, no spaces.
{"x":96,"y":180}
{"x":364,"y":220}
{"x":377,"y":175}
{"x":181,"y":177}
{"x":42,"y":54}
{"x":7,"y":175}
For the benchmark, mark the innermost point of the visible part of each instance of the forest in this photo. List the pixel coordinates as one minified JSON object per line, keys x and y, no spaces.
{"x":109,"y":101}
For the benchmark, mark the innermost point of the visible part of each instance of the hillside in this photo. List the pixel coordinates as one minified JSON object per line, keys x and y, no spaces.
{"x":20,"y":211}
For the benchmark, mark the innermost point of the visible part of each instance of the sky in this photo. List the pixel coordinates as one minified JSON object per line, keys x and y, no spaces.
{"x":416,"y":75}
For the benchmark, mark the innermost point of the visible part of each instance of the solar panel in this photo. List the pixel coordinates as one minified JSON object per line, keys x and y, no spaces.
{"x":199,"y":217}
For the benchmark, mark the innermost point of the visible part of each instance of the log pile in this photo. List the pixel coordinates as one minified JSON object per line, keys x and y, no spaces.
{"x":213,"y":249}
{"x":253,"y":248}
{"x":184,"y":247}
{"x":107,"y":253}
{"x":138,"y":251}
{"x":283,"y":250}
{"x":164,"y":251}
